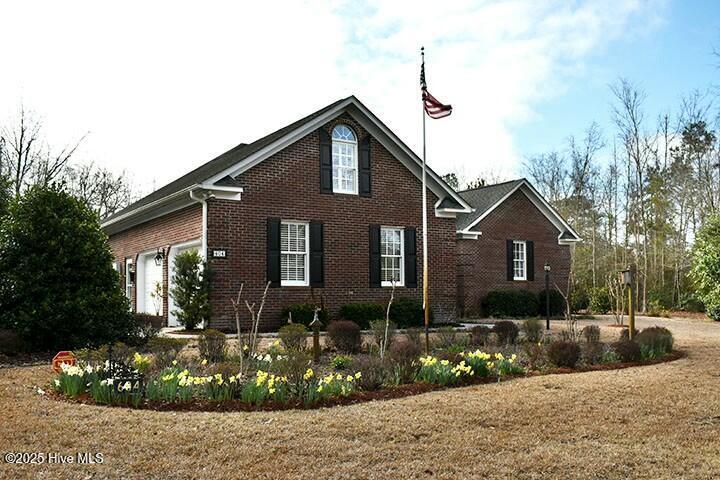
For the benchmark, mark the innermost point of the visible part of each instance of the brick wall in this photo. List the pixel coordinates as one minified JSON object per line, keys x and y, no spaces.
{"x":482,"y":263}
{"x":287,"y":186}
{"x":172,"y":229}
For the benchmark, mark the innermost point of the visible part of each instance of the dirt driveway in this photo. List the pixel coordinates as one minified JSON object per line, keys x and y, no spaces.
{"x":654,"y":422}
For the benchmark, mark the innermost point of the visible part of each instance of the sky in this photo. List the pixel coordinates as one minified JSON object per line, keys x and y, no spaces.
{"x":161,"y":87}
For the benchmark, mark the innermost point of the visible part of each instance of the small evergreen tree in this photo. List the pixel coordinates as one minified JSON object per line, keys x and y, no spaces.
{"x":706,"y":266}
{"x":58,"y":288}
{"x":191,"y":289}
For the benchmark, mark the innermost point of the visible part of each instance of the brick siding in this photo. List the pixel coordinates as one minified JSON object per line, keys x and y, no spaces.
{"x":287,"y":186}
{"x":481,"y":263}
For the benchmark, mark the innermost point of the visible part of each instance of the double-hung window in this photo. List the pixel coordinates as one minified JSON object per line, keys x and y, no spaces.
{"x":391,"y":256}
{"x":294,"y":244}
{"x":519,"y":260}
{"x":344,"y":160}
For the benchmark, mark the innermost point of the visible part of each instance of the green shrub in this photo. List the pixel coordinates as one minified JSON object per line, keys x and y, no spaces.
{"x":480,"y":334}
{"x":293,"y":336}
{"x":58,"y":287}
{"x":362,"y":313}
{"x":532,"y":327}
{"x":408,"y":312}
{"x":557,"y":303}
{"x":341,"y":362}
{"x":655,"y":342}
{"x":191,"y":289}
{"x":378,"y":331}
{"x":600,"y":302}
{"x":305,"y":313}
{"x":564,"y":353}
{"x":591,"y":334}
{"x":705,"y":270}
{"x":506,"y":331}
{"x":212,"y":345}
{"x":345,"y":335}
{"x":10,"y":343}
{"x":579,"y":300}
{"x":691,"y":303}
{"x":627,"y":351}
{"x":510,"y":303}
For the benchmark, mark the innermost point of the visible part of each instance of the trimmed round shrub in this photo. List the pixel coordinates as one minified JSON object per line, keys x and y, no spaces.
{"x":591,"y":334}
{"x":408,"y":312}
{"x":212,"y":345}
{"x":507,"y":332}
{"x":480,"y":334}
{"x":627,"y":351}
{"x":564,"y":353}
{"x":557,"y":303}
{"x":655,"y":340}
{"x":293,"y":336}
{"x":345,"y":335}
{"x":600,"y":302}
{"x":510,"y":303}
{"x":304,"y":313}
{"x":362,"y":313}
{"x":532,"y":327}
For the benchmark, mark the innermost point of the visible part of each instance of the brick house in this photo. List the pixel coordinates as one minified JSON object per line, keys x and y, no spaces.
{"x":327,"y":209}
{"x":506,"y":242}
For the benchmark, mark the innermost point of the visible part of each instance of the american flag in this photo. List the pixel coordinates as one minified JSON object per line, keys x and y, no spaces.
{"x":433,"y":107}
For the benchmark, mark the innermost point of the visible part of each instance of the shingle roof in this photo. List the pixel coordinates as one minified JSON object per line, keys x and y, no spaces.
{"x":482,"y":199}
{"x":220,"y":163}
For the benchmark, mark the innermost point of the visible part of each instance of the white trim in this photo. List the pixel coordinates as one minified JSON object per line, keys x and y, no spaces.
{"x":128,"y":283}
{"x":540,"y":203}
{"x":401,"y":282}
{"x":172,"y":253}
{"x":140,"y":303}
{"x":148,"y":206}
{"x":202,"y":199}
{"x":355,"y":158}
{"x":522,"y":277}
{"x":296,"y":283}
{"x":468,"y":236}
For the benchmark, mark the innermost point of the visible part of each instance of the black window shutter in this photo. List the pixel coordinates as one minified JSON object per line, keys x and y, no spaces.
{"x":325,"y":162}
{"x":510,"y":274}
{"x":273,"y":251}
{"x":317,"y":277}
{"x":410,"y":258}
{"x":530,"y":259}
{"x":375,"y":255}
{"x":364,"y":170}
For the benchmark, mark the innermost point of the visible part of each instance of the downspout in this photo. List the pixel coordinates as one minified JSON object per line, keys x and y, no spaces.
{"x":203,"y":201}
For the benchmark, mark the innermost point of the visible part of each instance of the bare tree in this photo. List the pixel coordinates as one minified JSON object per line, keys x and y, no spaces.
{"x":102,"y":190}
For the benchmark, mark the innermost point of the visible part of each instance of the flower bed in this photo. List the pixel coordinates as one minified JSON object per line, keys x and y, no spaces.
{"x":286,"y":378}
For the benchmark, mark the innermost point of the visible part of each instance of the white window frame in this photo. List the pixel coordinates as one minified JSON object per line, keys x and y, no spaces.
{"x":296,"y":283}
{"x":339,"y":169}
{"x":401,"y":282}
{"x":516,"y":261}
{"x":128,"y":284}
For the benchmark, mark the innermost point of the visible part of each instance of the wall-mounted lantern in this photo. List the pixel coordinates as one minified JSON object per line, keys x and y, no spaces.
{"x":159,"y":257}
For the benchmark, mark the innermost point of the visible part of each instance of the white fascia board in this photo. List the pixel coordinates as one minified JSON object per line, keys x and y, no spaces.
{"x":161,"y":201}
{"x":468,"y":236}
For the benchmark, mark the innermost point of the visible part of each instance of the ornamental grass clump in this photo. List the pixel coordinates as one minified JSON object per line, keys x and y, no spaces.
{"x":294,"y":336}
{"x":564,"y":353}
{"x":506,"y":331}
{"x":532,"y":329}
{"x":212,"y":345}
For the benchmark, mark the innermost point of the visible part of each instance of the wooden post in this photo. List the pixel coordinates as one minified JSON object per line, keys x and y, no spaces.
{"x":315,"y":325}
{"x":631,"y":302}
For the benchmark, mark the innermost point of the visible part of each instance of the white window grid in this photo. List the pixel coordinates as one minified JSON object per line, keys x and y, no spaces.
{"x":294,"y":255}
{"x":128,"y":281}
{"x":519,"y":260}
{"x":344,"y":160}
{"x":392,"y":256}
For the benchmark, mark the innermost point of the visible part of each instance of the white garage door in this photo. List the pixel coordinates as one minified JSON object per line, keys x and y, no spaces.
{"x":153,"y":278}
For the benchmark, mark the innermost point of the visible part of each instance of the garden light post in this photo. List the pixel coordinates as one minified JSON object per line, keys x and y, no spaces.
{"x":628,"y":278}
{"x":547,"y":296}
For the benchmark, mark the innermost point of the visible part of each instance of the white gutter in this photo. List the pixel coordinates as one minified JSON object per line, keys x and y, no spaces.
{"x":203,"y":201}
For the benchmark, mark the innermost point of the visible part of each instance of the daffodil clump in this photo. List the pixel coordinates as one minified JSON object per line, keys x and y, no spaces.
{"x":141,"y":364}
{"x":266,"y":386}
{"x":442,"y":372}
{"x":332,"y":385}
{"x":74,"y":379}
{"x":479,"y":361}
{"x":506,"y":365}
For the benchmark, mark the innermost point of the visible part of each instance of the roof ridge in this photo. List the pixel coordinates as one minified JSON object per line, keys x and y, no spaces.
{"x":492,"y":185}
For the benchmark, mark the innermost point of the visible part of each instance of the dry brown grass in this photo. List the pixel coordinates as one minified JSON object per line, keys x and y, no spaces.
{"x":659,"y":421}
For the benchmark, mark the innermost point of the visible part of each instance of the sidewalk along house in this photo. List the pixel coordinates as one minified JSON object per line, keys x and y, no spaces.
{"x":506,"y":241}
{"x":327,"y":209}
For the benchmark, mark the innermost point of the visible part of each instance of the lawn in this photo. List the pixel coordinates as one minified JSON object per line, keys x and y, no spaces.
{"x":658,"y":421}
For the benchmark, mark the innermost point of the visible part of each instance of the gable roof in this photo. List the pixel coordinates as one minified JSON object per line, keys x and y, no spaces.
{"x":487,"y":198}
{"x":222,"y":170}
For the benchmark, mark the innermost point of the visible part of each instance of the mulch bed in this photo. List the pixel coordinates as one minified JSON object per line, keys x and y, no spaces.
{"x":355,"y":397}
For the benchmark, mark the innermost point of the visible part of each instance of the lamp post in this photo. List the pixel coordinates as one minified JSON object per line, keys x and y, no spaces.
{"x":628,"y":278}
{"x":547,"y":296}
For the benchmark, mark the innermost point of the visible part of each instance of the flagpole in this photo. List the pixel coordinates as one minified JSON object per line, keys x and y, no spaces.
{"x":426,"y":300}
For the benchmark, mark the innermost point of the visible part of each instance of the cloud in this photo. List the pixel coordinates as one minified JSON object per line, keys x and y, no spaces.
{"x":165,"y":86}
